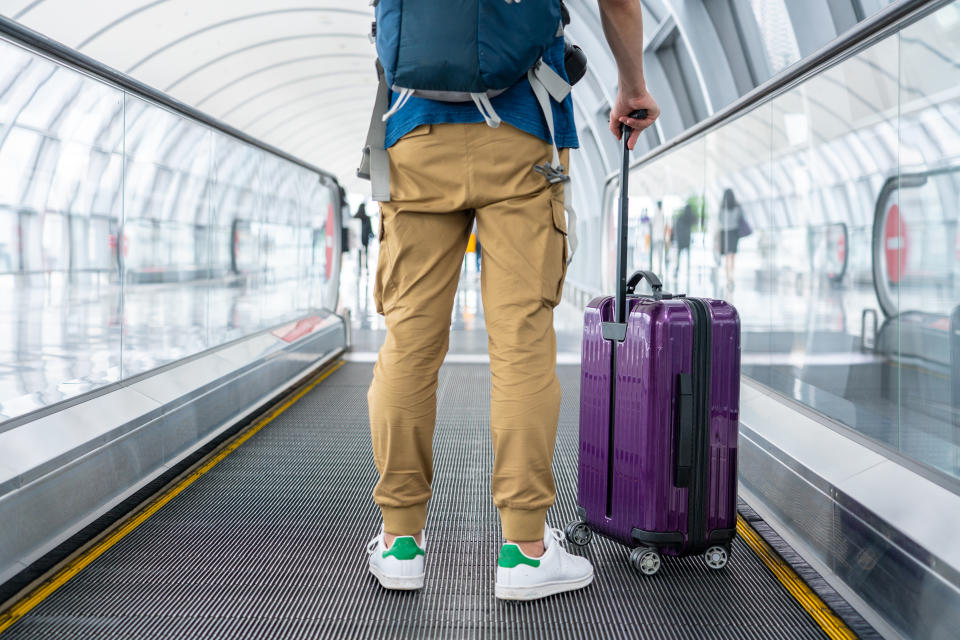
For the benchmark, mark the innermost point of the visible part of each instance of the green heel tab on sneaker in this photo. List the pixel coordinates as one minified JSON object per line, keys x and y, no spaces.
{"x":404,"y":548}
{"x":511,"y":556}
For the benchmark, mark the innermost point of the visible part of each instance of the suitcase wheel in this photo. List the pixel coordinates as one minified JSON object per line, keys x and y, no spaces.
{"x":579,"y":533}
{"x":646,"y":560}
{"x":716,"y":557}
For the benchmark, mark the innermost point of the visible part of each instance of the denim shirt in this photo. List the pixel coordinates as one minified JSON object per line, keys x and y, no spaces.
{"x":516,"y":106}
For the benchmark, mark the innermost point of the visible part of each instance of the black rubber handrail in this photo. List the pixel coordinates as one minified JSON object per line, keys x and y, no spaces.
{"x":19,"y":34}
{"x":865,"y":33}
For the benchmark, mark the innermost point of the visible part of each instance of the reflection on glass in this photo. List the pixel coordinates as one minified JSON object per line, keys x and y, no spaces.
{"x":60,"y":150}
{"x":131,"y":236}
{"x":237,"y":205}
{"x":916,"y":248}
{"x":829,"y":134}
{"x":739,"y":237}
{"x":657,"y":194}
{"x":165,"y":211}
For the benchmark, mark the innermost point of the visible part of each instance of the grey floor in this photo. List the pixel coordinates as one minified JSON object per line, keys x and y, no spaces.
{"x":271,"y":543}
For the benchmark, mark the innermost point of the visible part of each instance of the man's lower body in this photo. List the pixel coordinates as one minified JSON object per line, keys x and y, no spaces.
{"x":442,"y":178}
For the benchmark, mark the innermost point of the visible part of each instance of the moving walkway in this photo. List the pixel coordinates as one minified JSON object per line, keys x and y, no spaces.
{"x":266,"y":537}
{"x":219,"y":484}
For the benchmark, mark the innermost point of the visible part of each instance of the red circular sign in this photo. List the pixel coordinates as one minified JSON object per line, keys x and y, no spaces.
{"x":895,"y":244}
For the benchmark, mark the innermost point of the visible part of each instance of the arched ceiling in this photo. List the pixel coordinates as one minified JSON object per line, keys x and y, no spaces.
{"x":297,"y":75}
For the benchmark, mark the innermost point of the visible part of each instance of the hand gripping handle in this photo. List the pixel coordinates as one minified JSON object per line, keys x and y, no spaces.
{"x":639,"y":114}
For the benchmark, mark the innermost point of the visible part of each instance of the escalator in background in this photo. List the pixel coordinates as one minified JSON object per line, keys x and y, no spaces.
{"x":897,"y":381}
{"x":915,"y":275}
{"x":915,"y":242}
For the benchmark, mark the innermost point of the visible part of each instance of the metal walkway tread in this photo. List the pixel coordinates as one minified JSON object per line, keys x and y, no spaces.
{"x":270,"y":543}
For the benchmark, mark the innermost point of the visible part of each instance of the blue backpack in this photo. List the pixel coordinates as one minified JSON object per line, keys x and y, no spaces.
{"x":458,"y":51}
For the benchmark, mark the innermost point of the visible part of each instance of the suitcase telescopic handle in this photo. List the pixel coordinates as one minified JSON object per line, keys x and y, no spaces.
{"x":621,"y":298}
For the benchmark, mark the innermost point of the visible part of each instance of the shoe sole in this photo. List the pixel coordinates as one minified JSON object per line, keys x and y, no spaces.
{"x":399,"y":583}
{"x":537,"y":591}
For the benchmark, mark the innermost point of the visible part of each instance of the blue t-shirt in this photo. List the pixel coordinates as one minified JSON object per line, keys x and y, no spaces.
{"x":516,"y":106}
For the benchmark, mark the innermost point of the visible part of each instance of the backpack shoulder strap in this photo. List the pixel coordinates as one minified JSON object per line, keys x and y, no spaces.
{"x":375,"y":163}
{"x":546,"y":84}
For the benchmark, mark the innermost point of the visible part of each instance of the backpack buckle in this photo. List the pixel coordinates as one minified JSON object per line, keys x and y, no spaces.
{"x":554,"y":175}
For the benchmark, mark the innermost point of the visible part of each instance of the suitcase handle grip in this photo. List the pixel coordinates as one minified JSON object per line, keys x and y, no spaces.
{"x":626,"y":130}
{"x":651,"y":277}
{"x":684,"y":439}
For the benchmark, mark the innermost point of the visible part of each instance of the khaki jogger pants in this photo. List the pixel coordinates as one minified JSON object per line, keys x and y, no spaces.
{"x":442,"y":177}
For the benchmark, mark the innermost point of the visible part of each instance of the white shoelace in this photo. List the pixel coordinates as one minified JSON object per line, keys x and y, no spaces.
{"x":558,"y":535}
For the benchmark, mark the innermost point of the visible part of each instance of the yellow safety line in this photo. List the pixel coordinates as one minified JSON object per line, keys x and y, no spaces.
{"x":833,"y":626}
{"x":72,"y":568}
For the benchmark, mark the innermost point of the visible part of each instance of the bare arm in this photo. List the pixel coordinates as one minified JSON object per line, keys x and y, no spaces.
{"x":623,"y":27}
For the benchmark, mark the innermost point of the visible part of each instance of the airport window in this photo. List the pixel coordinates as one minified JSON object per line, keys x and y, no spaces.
{"x":775,"y":28}
{"x":729,"y":26}
{"x":682,"y":77}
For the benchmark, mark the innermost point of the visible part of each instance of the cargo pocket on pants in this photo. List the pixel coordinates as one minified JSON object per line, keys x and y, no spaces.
{"x":378,"y":281}
{"x":555,"y":257}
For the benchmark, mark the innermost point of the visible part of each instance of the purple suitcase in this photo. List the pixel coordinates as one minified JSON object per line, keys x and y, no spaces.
{"x":658,"y":469}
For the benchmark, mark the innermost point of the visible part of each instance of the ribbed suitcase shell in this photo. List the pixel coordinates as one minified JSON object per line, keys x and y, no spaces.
{"x":658,"y":346}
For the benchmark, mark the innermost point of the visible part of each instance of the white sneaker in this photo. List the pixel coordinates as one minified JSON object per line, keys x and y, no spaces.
{"x":520,"y":577}
{"x":400,"y":567}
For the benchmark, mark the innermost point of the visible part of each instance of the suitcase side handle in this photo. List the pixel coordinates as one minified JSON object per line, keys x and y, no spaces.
{"x":684,"y":440}
{"x":651,"y":277}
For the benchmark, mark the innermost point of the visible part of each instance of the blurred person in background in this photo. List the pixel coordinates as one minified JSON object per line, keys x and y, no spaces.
{"x":366,"y":232}
{"x":730,"y":216}
{"x":682,"y":228}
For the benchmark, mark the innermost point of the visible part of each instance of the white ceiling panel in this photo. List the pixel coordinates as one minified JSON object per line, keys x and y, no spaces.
{"x":239,"y":60}
{"x":299,"y":92}
{"x":225,"y":97}
{"x":210,"y":42}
